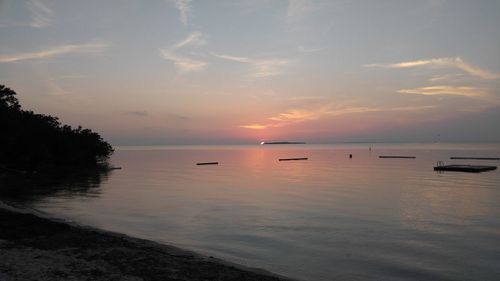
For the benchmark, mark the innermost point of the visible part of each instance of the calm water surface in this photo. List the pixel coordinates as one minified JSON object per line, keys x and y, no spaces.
{"x":327,"y":218}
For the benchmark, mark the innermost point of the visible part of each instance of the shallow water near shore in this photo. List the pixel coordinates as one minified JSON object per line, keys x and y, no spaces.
{"x":326,"y":218}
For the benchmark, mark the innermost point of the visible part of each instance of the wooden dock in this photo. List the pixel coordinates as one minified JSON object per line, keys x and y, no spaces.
{"x":292,"y":159}
{"x":475,"y":158}
{"x":397,"y":156}
{"x":465,"y":168}
{"x":207,"y":163}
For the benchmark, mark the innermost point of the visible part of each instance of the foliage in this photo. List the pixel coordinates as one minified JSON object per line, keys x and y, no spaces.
{"x":32,"y":142}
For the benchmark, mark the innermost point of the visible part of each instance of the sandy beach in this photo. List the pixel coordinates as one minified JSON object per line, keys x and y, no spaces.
{"x":38,"y":248}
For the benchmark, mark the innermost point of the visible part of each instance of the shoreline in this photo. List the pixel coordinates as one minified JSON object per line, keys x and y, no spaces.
{"x":38,"y":247}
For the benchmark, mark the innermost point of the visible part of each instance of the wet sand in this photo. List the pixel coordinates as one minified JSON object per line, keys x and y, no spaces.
{"x":37,"y":248}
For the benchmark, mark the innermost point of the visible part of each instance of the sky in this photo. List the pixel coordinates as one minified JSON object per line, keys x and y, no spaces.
{"x":241,"y":71}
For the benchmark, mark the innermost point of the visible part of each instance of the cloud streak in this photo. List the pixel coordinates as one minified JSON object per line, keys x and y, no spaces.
{"x":293,"y":116}
{"x":456,"y":62}
{"x":259,"y":126}
{"x":185,"y":10}
{"x":182,"y":62}
{"x":41,"y":14}
{"x":261,"y":68}
{"x":303,"y":49}
{"x":194,"y":39}
{"x":446,"y":90}
{"x":53,"y":52}
{"x":297,"y":9}
{"x":446,"y":77}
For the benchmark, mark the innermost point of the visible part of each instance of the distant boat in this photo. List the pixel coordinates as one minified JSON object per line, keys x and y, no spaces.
{"x":283,"y":142}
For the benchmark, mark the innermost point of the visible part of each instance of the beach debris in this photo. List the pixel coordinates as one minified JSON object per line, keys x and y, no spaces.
{"x":207,"y":163}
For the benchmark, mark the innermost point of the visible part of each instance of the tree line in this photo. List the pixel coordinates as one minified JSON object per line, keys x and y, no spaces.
{"x":35,"y":142}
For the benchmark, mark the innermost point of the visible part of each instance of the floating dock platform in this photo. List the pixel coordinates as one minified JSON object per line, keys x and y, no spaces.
{"x":465,"y":168}
{"x":475,"y":158}
{"x":207,"y":163}
{"x":397,"y":156}
{"x":292,"y":159}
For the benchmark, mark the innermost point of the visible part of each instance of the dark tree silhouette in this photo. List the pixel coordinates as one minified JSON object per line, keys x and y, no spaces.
{"x":35,"y":142}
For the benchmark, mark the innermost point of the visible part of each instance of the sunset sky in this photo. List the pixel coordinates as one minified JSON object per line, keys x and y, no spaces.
{"x":242,"y":71}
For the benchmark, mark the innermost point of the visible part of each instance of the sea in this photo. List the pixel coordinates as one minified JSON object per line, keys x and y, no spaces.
{"x":330,"y":217}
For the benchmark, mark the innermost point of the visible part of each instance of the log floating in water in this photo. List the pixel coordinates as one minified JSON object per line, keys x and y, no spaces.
{"x":283,"y":142}
{"x":208,"y":163}
{"x":292,"y":159}
{"x":476,"y":158}
{"x":396,"y":156}
{"x":464,"y":168}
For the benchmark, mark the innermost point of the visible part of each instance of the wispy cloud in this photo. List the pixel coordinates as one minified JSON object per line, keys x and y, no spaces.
{"x":290,"y":117}
{"x":412,"y":108}
{"x":194,"y":39}
{"x":444,"y":63}
{"x":233,"y":58}
{"x":293,"y":116}
{"x":303,"y":49}
{"x":54,"y":88}
{"x":446,"y":90}
{"x":300,"y":115}
{"x":66,"y":77}
{"x":261,"y":68}
{"x":182,"y":62}
{"x":54,"y":51}
{"x":446,"y":77}
{"x":269,"y":67}
{"x":259,"y":126}
{"x":41,"y":14}
{"x":184,"y":8}
{"x":297,"y":9}
{"x":307,"y":98}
